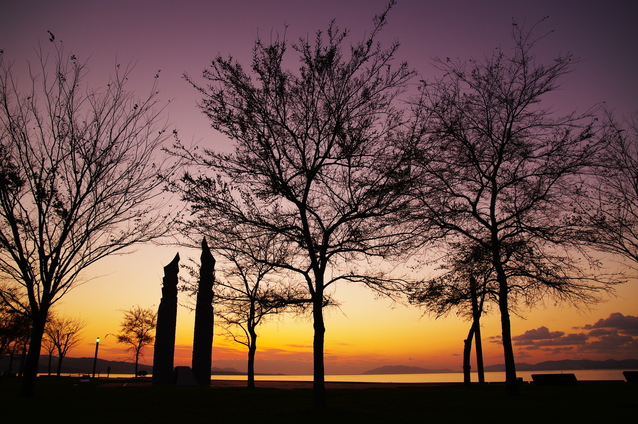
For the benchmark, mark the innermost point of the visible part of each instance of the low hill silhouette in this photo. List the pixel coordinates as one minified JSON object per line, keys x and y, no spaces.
{"x":84,"y":365}
{"x":77,"y":365}
{"x":403,"y":369}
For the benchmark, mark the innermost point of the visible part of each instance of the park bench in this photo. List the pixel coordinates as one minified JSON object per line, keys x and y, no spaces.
{"x":554,"y":379}
{"x":631,"y":376}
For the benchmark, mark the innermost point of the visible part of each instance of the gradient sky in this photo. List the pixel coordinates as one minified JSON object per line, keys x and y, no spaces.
{"x":365,"y":332}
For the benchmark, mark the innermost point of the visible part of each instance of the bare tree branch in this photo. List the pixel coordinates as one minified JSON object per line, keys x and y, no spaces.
{"x":135,"y":331}
{"x":315,"y":163}
{"x":501,"y":172}
{"x":79,"y":180}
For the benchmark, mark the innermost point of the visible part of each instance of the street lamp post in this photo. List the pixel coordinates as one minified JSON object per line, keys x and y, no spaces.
{"x":97,"y":346}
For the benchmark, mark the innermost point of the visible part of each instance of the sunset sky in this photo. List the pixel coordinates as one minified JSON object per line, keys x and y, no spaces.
{"x":364,"y":332}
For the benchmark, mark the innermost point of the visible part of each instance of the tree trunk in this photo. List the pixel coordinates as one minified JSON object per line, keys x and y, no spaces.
{"x":319,"y":390}
{"x":59,"y":369}
{"x":23,"y":358}
{"x":137,"y":360}
{"x":49,"y":363}
{"x":10,"y":366}
{"x":467,"y":350}
{"x":506,"y":335}
{"x":479,"y":354}
{"x":252,"y":350}
{"x":476,"y":325}
{"x":30,"y":374}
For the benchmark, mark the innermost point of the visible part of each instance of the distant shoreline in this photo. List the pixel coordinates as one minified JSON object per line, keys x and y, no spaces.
{"x":403,"y":380}
{"x":85,"y":366}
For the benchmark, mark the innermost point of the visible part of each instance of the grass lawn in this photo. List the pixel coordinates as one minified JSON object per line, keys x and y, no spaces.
{"x":66,"y":400}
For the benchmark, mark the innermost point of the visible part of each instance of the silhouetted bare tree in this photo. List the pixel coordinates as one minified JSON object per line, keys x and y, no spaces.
{"x":14,"y":327}
{"x":77,"y":172}
{"x":499,"y":171}
{"x":64,"y":333}
{"x":135,"y":331}
{"x":466,"y":283}
{"x":610,"y":206}
{"x":249,"y":288}
{"x":49,"y":348}
{"x":314,"y":164}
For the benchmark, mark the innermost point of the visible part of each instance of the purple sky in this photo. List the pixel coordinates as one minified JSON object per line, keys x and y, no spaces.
{"x":182,"y":36}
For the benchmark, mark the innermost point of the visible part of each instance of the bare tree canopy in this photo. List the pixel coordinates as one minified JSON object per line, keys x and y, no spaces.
{"x":500,"y":171}
{"x":451,"y":289}
{"x":250,"y":288}
{"x":78,"y":170}
{"x":610,"y":206}
{"x":314,"y":163}
{"x":466,"y":283}
{"x":136,"y":331}
{"x":64,"y":333}
{"x":14,"y":331}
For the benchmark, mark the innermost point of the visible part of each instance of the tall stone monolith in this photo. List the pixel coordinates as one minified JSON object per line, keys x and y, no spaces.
{"x":164,"y":350}
{"x":203,"y":334}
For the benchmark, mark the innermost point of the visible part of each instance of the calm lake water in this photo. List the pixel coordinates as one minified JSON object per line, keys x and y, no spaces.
{"x":492,"y":377}
{"x":456,"y":377}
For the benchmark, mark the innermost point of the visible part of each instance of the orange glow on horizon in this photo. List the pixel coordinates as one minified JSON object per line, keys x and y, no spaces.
{"x":365,"y":332}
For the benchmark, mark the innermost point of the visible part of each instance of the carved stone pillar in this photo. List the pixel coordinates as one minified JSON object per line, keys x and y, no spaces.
{"x":204,"y":320}
{"x":164,"y":350}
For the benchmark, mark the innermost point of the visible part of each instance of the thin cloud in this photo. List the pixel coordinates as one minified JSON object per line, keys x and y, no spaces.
{"x":559,"y":350}
{"x":523,"y":355}
{"x":567,"y":340}
{"x":298,"y":346}
{"x":599,"y":332}
{"x":528,"y":347}
{"x":495,"y":339}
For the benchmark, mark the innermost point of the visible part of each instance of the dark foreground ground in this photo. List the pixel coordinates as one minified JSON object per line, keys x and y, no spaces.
{"x":68,"y":400}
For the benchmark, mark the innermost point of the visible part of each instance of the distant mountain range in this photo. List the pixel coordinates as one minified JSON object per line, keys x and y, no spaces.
{"x":568,"y":364}
{"x":402,"y":369}
{"x":226,"y":371}
{"x":85,"y":366}
{"x":571,"y":364}
{"x":78,"y":365}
